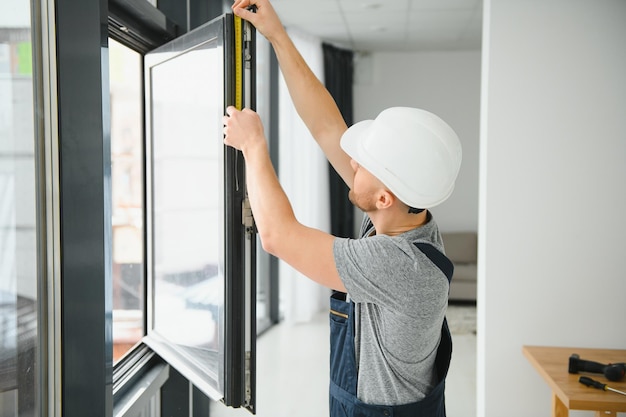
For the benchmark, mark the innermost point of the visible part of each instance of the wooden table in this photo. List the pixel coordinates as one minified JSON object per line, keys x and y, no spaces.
{"x":567,"y":393}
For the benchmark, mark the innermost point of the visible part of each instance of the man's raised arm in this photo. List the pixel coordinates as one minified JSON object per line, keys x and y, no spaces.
{"x":312,"y":100}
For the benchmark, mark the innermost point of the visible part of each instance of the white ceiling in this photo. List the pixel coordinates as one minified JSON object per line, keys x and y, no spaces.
{"x":387,"y":25}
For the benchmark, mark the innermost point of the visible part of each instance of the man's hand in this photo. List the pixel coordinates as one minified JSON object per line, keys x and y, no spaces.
{"x":265,"y":19}
{"x":243,"y":129}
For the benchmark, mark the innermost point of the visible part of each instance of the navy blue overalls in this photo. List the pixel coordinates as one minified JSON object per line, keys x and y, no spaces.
{"x":343,"y":370}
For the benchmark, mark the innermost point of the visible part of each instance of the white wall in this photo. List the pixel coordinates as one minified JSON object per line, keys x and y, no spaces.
{"x":552,"y":191}
{"x":445,"y":83}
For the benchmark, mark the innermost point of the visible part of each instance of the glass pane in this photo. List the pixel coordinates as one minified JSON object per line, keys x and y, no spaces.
{"x":187,"y":96}
{"x":127,"y":188}
{"x":18,"y":249}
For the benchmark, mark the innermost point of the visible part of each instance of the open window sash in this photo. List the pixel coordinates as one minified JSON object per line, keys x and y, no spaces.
{"x":200,"y":234}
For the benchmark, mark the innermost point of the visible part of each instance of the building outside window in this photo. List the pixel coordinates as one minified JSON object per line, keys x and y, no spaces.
{"x":125,"y":69}
{"x":19,"y":367}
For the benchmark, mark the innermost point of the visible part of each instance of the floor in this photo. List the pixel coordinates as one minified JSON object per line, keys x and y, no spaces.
{"x":292,"y":369}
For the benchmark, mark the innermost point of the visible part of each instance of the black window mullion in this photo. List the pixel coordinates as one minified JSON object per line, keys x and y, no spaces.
{"x":85,"y":208}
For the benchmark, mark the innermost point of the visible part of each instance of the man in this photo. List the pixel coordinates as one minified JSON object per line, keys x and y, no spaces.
{"x":390,"y":346}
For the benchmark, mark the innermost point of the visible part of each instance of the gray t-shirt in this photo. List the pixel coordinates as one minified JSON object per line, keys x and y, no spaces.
{"x":400,"y":299}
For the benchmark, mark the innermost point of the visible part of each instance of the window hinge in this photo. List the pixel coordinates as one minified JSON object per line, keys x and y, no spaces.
{"x":247,"y":38}
{"x":247,"y":217}
{"x":248,"y":387}
{"x":247,"y":32}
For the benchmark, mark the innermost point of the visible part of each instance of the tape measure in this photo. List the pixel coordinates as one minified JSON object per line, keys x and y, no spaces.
{"x":238,"y":63}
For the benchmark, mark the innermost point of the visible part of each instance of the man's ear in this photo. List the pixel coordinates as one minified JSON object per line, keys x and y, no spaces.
{"x":385,"y":199}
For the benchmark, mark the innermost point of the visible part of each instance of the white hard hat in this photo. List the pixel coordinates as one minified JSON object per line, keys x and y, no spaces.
{"x":413,"y":152}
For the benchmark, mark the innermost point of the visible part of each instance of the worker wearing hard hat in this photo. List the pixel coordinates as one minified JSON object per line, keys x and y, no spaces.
{"x":390,"y":344}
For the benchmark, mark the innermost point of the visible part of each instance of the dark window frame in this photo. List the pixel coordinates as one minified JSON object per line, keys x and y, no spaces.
{"x":226,"y":378}
{"x":142,"y":27}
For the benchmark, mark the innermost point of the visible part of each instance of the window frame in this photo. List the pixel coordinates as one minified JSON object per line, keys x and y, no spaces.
{"x":232,"y":381}
{"x":142,"y":27}
{"x":74,"y":205}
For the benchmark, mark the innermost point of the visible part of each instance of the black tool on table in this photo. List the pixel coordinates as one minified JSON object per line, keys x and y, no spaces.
{"x":612,"y":371}
{"x":597,"y":384}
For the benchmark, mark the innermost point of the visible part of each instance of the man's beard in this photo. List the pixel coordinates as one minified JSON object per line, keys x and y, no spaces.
{"x":365,"y":202}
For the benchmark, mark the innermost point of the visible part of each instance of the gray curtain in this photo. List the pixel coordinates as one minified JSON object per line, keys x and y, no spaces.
{"x":338,"y":76}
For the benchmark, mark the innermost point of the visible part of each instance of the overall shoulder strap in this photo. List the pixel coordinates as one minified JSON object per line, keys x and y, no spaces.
{"x":444,"y":351}
{"x":438,"y":258}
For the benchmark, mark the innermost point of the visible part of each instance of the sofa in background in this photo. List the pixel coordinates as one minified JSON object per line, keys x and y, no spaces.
{"x":462,"y":249}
